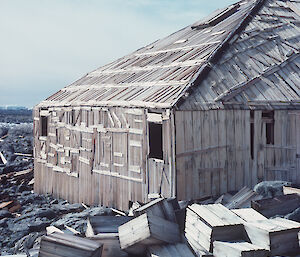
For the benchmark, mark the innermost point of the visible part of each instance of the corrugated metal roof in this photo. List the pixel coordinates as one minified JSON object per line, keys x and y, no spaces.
{"x":243,"y":55}
{"x":260,"y":67}
{"x":158,"y":74}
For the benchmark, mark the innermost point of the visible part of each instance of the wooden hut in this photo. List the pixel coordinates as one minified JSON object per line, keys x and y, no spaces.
{"x":206,"y":110}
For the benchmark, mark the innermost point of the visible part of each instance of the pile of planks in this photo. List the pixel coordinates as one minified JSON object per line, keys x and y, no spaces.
{"x":24,"y":177}
{"x":153,"y":230}
{"x":161,"y":228}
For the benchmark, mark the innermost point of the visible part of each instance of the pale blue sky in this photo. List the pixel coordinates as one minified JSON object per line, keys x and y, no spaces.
{"x":48,"y":44}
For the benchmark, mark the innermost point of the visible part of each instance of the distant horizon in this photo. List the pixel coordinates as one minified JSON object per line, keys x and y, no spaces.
{"x":50,"y":44}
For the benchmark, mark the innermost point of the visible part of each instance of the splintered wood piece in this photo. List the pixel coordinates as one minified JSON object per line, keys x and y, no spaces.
{"x":160,"y":207}
{"x":279,"y":236}
{"x":2,"y":159}
{"x":207,"y":223}
{"x":291,"y":190}
{"x":238,"y":249}
{"x":65,"y":245}
{"x":169,"y":250}
{"x":147,"y":229}
{"x":242,"y":198}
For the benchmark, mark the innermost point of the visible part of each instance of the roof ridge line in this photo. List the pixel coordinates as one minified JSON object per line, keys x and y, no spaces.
{"x":204,"y":70}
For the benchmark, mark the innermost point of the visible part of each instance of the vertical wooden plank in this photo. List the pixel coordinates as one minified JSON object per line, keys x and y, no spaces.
{"x":298,"y":146}
{"x":230,"y":142}
{"x":173,"y":154}
{"x":205,"y":139}
{"x":214,"y":154}
{"x":292,"y":144}
{"x":180,"y":162}
{"x":246,"y":152}
{"x":196,"y":131}
{"x":222,"y":151}
{"x":284,"y":144}
{"x":259,"y":142}
{"x":189,"y":146}
{"x":239,"y":148}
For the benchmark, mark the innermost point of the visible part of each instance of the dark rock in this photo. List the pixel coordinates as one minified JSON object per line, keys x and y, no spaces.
{"x":47,"y":213}
{"x":14,"y":237}
{"x":100,"y":211}
{"x":67,"y":208}
{"x":271,"y":188}
{"x":27,"y":242}
{"x":18,"y":227}
{"x":38,"y":225}
{"x":5,"y":214}
{"x":3,"y":222}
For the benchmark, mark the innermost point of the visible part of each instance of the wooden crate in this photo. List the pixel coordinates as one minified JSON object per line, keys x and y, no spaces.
{"x":169,"y":250}
{"x":279,"y":236}
{"x":207,"y":223}
{"x":147,"y":229}
{"x":111,"y":244}
{"x":238,"y":249}
{"x":58,"y":244}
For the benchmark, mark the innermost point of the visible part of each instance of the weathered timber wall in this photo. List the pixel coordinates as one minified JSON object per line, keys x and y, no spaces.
{"x":100,"y":155}
{"x":92,"y":155}
{"x":213,"y":150}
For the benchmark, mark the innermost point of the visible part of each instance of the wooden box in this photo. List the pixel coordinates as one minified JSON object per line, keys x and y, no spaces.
{"x":238,"y":249}
{"x":64,"y":245}
{"x":147,"y":229}
{"x":279,"y":236}
{"x":207,"y":223}
{"x":111,"y":244}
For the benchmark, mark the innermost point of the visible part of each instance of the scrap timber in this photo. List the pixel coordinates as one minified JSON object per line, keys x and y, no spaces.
{"x":210,"y":230}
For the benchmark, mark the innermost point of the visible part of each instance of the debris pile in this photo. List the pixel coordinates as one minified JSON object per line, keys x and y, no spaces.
{"x":210,"y":230}
{"x":16,"y":147}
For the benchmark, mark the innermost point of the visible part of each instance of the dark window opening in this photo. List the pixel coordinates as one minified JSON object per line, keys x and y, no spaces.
{"x":44,"y":126}
{"x":73,"y":119}
{"x":268,"y":118}
{"x":270,"y":133}
{"x":155,"y":140}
